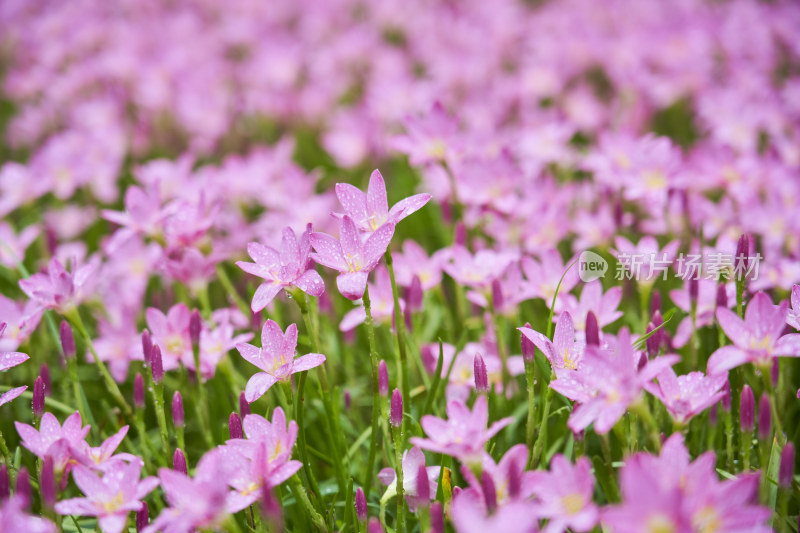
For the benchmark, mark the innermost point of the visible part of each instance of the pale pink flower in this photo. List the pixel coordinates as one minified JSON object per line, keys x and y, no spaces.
{"x":13,"y":245}
{"x":412,"y":460}
{"x":14,"y":518}
{"x":688,"y":395}
{"x":564,"y":495}
{"x":52,"y":439}
{"x":59,"y":289}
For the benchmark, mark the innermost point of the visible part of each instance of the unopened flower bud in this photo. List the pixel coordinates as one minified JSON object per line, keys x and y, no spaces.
{"x":383,"y":379}
{"x":177,"y":410}
{"x":423,"y":486}
{"x":48,"y":483}
{"x":147,"y":347}
{"x":361,"y":505}
{"x":722,"y":296}
{"x":44,"y":371}
{"x":374,"y":526}
{"x":414,"y":298}
{"x":5,"y":488}
{"x":396,"y":413}
{"x":764,"y":417}
{"x":142,"y":518}
{"x":592,"y":330}
{"x":742,"y":258}
{"x":271,"y":508}
{"x":694,"y":290}
{"x":235,"y":426}
{"x":497,"y":295}
{"x":67,"y":339}
{"x":776,"y":372}
{"x":348,"y":400}
{"x":481,"y":377}
{"x":38,"y":397}
{"x":489,"y":492}
{"x":787,"y":466}
{"x":195,"y":326}
{"x":244,"y":406}
{"x":461,"y":234}
{"x":747,"y":409}
{"x":652,"y":342}
{"x":655,"y":303}
{"x":138,"y":391}
{"x":179,"y":462}
{"x":437,"y":518}
{"x":528,"y":348}
{"x":23,"y":487}
{"x":157,"y":364}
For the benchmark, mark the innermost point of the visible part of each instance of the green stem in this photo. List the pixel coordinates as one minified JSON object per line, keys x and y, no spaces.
{"x":773,"y":404}
{"x":653,"y":432}
{"x":541,"y":439}
{"x":231,"y":290}
{"x":302,"y":498}
{"x":400,"y":328}
{"x":158,"y":401}
{"x":373,"y":355}
{"x":530,"y":378}
{"x":202,"y":400}
{"x":398,"y":454}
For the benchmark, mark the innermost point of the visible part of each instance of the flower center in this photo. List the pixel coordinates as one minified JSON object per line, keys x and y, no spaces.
{"x":114,"y":504}
{"x":573,"y":502}
{"x":660,"y":524}
{"x":706,"y":520}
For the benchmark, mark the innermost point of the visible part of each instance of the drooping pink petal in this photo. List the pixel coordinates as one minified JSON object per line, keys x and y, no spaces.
{"x":257,"y":385}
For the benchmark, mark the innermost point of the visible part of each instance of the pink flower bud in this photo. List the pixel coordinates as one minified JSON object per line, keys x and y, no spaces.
{"x":195,"y":326}
{"x":48,"y":483}
{"x":244,"y":406}
{"x":497,"y":295}
{"x":747,"y":409}
{"x":157,"y":364}
{"x":722,"y":296}
{"x":23,"y":487}
{"x":461,"y":234}
{"x":38,"y":397}
{"x":383,"y":379}
{"x":179,"y":462}
{"x":44,"y":371}
{"x":138,"y":391}
{"x":528,"y":348}
{"x":655,"y":303}
{"x":147,"y":347}
{"x":348,"y":399}
{"x":651,"y":343}
{"x":437,"y":518}
{"x":787,"y":466}
{"x":764,"y":417}
{"x":177,"y":410}
{"x":396,"y":413}
{"x":374,"y":526}
{"x":142,"y":518}
{"x":694,"y":289}
{"x":742,"y":258}
{"x":423,"y":486}
{"x":481,"y":377}
{"x":67,"y":340}
{"x":235,"y":426}
{"x":415,"y":296}
{"x":361,"y":505}
{"x":592,"y":330}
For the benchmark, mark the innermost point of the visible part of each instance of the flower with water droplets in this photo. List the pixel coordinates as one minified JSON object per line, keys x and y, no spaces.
{"x":59,"y":288}
{"x":688,"y":395}
{"x":54,"y":440}
{"x":412,"y":460}
{"x":564,"y":495}
{"x":276,"y":358}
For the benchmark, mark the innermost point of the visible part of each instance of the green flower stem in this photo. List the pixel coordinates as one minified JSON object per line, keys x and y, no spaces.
{"x":302,"y":498}
{"x":231,"y":290}
{"x":147,"y":452}
{"x":541,"y":439}
{"x":400,"y":328}
{"x":74,"y":318}
{"x":458,"y":207}
{"x":773,"y":404}
{"x":611,"y":480}
{"x":497,"y":320}
{"x":72,"y":371}
{"x":158,"y":400}
{"x":5,"y":451}
{"x":728,"y":439}
{"x":653,"y":432}
{"x":202,"y":401}
{"x":398,"y":454}
{"x":376,"y":398}
{"x":530,"y":426}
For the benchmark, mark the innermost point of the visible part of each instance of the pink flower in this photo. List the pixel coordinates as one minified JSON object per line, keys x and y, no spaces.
{"x":287,"y":268}
{"x":111,"y":497}
{"x":607,"y":384}
{"x":381,"y":301}
{"x":793,"y":316}
{"x":464,"y":434}
{"x":102,"y":458}
{"x":215,"y":344}
{"x":52,"y":439}
{"x":143,"y":215}
{"x":544,"y":274}
{"x":470,"y":515}
{"x":276,"y":358}
{"x":353,"y":258}
{"x":430,"y":138}
{"x":670,"y":493}
{"x":689,"y":395}
{"x":194,"y":503}
{"x":12,"y":394}
{"x":59,"y":289}
{"x":564,"y":495}
{"x":516,"y":458}
{"x":118,"y":344}
{"x":263,"y":459}
{"x":370,"y":211}
{"x":757,"y":338}
{"x":706,"y":305}
{"x":646,"y":260}
{"x":415,"y":262}
{"x":171,"y":333}
{"x":603,"y":305}
{"x":20,"y":320}
{"x":412,"y":460}
{"x":565,"y":353}
{"x":14,"y":518}
{"x":13,"y":245}
{"x":10,"y":359}
{"x":478,"y":270}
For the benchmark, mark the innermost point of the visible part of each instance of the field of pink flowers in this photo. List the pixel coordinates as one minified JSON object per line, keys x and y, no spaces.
{"x":399,"y":265}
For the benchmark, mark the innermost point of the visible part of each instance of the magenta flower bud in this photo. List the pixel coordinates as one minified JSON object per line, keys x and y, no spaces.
{"x":361,"y":505}
{"x":651,"y":343}
{"x":195,"y":326}
{"x":528,"y":348}
{"x":396,"y":413}
{"x":157,"y":364}
{"x":423,"y":486}
{"x":383,"y":379}
{"x":776,"y":372}
{"x":787,"y":466}
{"x":497,"y":295}
{"x":592,"y":330}
{"x":5,"y":488}
{"x":694,"y":289}
{"x":44,"y":371}
{"x":48,"y":483}
{"x":747,"y":409}
{"x":138,"y":391}
{"x":461,"y":235}
{"x":437,"y":518}
{"x":67,"y":339}
{"x":142,"y":518}
{"x":177,"y":410}
{"x":456,"y":491}
{"x":415,"y":296}
{"x":764,"y":417}
{"x":489,"y":492}
{"x":742,"y":258}
{"x":23,"y":487}
{"x":179,"y":462}
{"x":408,"y":317}
{"x":38,"y":397}
{"x":244,"y":406}
{"x":348,"y":399}
{"x":374,"y":526}
{"x":655,"y":303}
{"x":481,"y":377}
{"x":147,"y":347}
{"x":235,"y":426}
{"x":722,"y":296}
{"x":713,"y":415}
